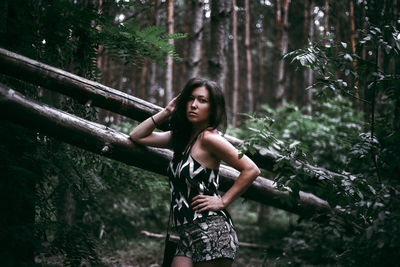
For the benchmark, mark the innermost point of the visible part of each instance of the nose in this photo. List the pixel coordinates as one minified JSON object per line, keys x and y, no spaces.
{"x":194,"y":103}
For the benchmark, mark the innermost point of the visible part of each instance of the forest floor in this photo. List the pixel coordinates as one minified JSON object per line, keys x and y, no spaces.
{"x":148,"y":253}
{"x":144,"y":251}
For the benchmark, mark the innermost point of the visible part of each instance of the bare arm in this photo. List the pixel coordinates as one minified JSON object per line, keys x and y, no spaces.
{"x":226,"y":152}
{"x":143,"y":133}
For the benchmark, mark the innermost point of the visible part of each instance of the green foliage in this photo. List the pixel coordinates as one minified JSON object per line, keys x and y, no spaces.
{"x":328,"y":133}
{"x":19,"y":174}
{"x":301,"y":141}
{"x":327,"y":60}
{"x":69,"y":206}
{"x":107,"y":199}
{"x":366,"y":208}
{"x":132,"y":42}
{"x":365,"y":194}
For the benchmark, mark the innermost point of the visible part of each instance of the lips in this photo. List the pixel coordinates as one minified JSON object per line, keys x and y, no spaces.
{"x":191,"y":113}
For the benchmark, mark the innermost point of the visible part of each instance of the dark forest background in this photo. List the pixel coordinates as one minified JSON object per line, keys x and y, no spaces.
{"x":317,"y":81}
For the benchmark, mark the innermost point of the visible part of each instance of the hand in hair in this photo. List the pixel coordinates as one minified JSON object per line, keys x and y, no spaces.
{"x":171,"y":105}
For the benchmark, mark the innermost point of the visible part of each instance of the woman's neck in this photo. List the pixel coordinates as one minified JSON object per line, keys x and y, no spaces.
{"x":196,"y":129}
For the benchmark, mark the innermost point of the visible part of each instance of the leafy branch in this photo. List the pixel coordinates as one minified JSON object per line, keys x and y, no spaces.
{"x":131,"y":42}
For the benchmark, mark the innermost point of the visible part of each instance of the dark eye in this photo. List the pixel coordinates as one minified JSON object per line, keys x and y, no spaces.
{"x":191,"y":98}
{"x":202,"y":100}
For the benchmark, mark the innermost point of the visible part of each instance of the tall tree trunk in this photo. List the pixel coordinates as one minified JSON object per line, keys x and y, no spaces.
{"x":306,"y":18}
{"x":100,"y":48}
{"x":220,"y":13}
{"x":338,"y":30}
{"x":3,"y":20}
{"x":106,"y":73}
{"x":68,"y":209}
{"x":261,"y":69}
{"x":153,"y":74}
{"x":235,"y":95}
{"x":363,"y":83}
{"x":195,"y":39}
{"x":182,"y":73}
{"x":169,"y":71}
{"x":143,"y":81}
{"x":396,"y":117}
{"x":264,"y":210}
{"x":326,"y":21}
{"x":282,"y":45}
{"x":353,"y":49}
{"x":132,"y":82}
{"x":120,"y":86}
{"x":19,"y":175}
{"x":308,"y":73}
{"x":392,"y":68}
{"x":392,"y":61}
{"x":108,"y":65}
{"x":249,"y":82}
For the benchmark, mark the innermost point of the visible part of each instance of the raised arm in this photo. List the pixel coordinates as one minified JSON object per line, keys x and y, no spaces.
{"x":143,"y":133}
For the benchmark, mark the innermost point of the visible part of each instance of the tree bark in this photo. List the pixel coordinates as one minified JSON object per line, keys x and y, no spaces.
{"x":260,"y":69}
{"x":392,"y":61}
{"x":94,"y":94}
{"x":364,"y":83}
{"x":3,"y":20}
{"x":153,"y":74}
{"x":170,"y":67}
{"x":220,"y":14}
{"x":392,"y":69}
{"x":326,"y":21}
{"x":18,"y":190}
{"x":85,"y":91}
{"x":235,"y":93}
{"x":181,"y":74}
{"x":110,"y":143}
{"x":249,"y":65}
{"x":308,"y":73}
{"x":353,"y":49}
{"x":282,"y":46}
{"x":195,"y":39}
{"x":143,"y":81}
{"x":306,"y":19}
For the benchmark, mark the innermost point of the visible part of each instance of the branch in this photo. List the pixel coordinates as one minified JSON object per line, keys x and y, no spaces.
{"x":112,"y":144}
{"x":93,"y":93}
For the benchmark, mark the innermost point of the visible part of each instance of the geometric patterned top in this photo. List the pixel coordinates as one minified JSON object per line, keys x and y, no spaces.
{"x":187,"y":179}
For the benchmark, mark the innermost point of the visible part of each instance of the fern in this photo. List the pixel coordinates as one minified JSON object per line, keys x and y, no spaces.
{"x":134,"y":43}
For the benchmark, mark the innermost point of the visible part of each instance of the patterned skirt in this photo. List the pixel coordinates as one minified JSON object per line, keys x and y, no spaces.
{"x":207,"y":238}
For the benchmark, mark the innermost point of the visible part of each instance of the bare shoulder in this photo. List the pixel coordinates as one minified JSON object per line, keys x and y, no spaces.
{"x":213,"y":139}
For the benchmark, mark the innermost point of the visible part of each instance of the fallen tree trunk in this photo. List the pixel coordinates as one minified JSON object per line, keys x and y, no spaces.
{"x":93,"y":93}
{"x":84,"y":90}
{"x":115,"y":145}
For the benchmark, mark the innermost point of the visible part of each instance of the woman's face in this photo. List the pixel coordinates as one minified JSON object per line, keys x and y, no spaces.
{"x":198,"y":106}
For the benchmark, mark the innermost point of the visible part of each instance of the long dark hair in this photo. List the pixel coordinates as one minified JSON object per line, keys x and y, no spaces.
{"x":180,"y":126}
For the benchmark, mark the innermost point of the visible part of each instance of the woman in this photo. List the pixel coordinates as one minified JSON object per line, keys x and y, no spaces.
{"x":207,"y":236}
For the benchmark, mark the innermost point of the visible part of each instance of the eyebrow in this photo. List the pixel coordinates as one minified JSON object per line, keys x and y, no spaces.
{"x":203,"y":96}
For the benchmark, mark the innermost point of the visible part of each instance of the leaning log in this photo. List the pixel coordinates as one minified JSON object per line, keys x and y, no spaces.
{"x":83,"y":90}
{"x":110,"y":143}
{"x":95,"y":94}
